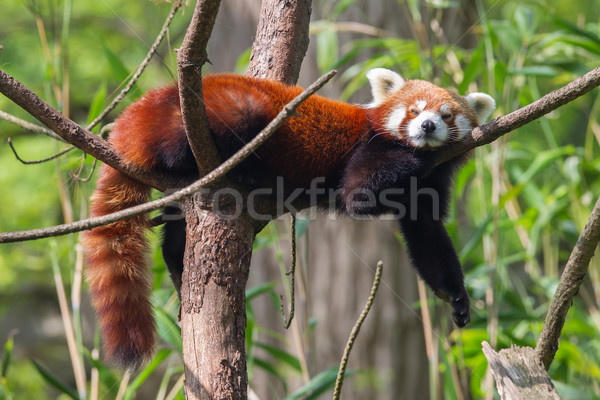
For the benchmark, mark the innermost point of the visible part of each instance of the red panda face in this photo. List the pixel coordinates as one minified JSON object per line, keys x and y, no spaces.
{"x":421,"y":114}
{"x":428,"y":125}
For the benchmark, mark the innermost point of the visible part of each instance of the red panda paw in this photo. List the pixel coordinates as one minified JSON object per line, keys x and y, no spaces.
{"x":460,"y":306}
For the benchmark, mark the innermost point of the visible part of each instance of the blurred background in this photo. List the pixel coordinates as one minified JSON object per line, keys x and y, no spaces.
{"x":518,"y":207}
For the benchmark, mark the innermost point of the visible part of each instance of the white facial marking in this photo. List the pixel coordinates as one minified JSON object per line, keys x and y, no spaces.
{"x":463,"y":126}
{"x":421,"y":104}
{"x":420,"y":138}
{"x":392,"y":125}
{"x":445,"y":108}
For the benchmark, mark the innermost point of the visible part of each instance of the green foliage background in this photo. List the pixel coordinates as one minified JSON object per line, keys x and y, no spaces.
{"x":519,"y":204}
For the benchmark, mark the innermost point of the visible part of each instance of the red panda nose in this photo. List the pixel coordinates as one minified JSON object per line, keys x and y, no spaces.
{"x":428,"y":126}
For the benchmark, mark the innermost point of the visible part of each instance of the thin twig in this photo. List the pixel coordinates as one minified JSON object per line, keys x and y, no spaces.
{"x":68,"y":324}
{"x":72,"y":133}
{"x":29,"y":126}
{"x":568,"y":287}
{"x":140,"y":69}
{"x":78,"y":177}
{"x":43,"y":160}
{"x":214,"y":175}
{"x":343,"y":364}
{"x":292,"y":274}
{"x":40,"y":129}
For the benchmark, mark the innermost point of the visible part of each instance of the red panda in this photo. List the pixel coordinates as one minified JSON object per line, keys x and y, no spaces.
{"x":376,"y":158}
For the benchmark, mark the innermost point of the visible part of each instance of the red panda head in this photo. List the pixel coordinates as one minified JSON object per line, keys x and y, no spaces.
{"x":421,"y":114}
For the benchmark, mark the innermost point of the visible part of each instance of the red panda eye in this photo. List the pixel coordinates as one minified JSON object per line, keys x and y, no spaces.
{"x":414,"y":111}
{"x":446,"y":116}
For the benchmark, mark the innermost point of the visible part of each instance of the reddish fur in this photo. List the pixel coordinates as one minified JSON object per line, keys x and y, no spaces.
{"x":117,"y":271}
{"x":298,"y":151}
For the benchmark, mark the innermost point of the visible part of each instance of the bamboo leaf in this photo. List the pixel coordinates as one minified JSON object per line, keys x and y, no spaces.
{"x":54,"y":381}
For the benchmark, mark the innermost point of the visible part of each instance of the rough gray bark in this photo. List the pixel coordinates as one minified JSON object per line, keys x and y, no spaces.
{"x":281,"y":40}
{"x":519,"y":374}
{"x":213,"y":312}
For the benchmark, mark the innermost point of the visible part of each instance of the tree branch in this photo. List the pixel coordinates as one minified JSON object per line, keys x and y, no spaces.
{"x":76,"y":135}
{"x":500,"y":126}
{"x":190,"y":58}
{"x":568,"y":287}
{"x":214,"y":175}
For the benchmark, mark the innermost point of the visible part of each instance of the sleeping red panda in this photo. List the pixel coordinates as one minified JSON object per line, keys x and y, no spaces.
{"x":375,"y":158}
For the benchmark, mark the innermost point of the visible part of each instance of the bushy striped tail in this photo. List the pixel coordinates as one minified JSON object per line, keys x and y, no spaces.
{"x":118,"y":273}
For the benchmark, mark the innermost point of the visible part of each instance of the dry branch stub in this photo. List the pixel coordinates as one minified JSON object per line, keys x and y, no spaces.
{"x":519,"y":374}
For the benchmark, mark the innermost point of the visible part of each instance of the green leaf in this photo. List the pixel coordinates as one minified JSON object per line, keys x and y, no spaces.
{"x":259,"y":289}
{"x":475,"y":238}
{"x":523,"y":19}
{"x":268,"y":367}
{"x":582,"y":42}
{"x":340,"y":7}
{"x":54,"y":381}
{"x":538,"y":70}
{"x":7,"y":355}
{"x":281,"y":355}
{"x":318,"y":384}
{"x":117,"y":67}
{"x":413,"y":7}
{"x":241,"y":64}
{"x":168,"y":329}
{"x":576,"y":30}
{"x":98,"y":103}
{"x":542,"y":160}
{"x":472,"y":69}
{"x":145,"y":373}
{"x":327,"y":46}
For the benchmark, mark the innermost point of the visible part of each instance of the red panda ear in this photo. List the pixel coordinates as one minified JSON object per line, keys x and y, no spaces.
{"x":482,"y":104}
{"x":383,"y":83}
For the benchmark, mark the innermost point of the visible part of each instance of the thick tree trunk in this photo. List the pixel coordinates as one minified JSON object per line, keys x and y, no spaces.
{"x":218,"y":250}
{"x":213,"y":313}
